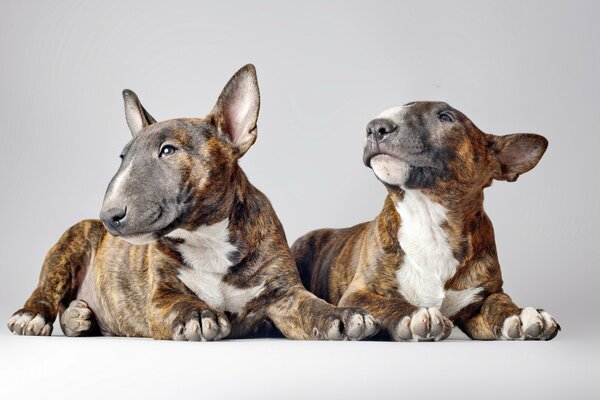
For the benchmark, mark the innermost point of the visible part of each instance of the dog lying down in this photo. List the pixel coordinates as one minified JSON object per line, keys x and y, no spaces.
{"x":186,"y":248}
{"x":429,"y":258}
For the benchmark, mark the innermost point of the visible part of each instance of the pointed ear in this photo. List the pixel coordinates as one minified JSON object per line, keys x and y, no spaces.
{"x":136,"y":115}
{"x":515,"y":154}
{"x":236,"y":110}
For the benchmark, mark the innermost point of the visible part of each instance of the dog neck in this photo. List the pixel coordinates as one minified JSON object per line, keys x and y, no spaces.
{"x":231,"y":207}
{"x":456,"y":213}
{"x":459,"y":205}
{"x":218,"y":201}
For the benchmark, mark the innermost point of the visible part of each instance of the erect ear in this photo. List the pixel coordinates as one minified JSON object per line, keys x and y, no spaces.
{"x":515,"y":154}
{"x":236,"y":110}
{"x":136,"y":115}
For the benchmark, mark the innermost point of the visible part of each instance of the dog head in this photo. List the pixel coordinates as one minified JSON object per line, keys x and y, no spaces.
{"x":432,"y":146}
{"x":176,"y":172}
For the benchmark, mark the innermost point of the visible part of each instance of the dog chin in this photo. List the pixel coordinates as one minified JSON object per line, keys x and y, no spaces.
{"x":390,"y":170}
{"x":141,"y":239}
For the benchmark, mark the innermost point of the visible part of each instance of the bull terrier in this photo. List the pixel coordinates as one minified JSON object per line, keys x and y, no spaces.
{"x":187,"y":248}
{"x":428,"y":260}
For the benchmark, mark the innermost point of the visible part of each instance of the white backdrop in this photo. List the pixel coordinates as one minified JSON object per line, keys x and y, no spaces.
{"x":325,"y":69}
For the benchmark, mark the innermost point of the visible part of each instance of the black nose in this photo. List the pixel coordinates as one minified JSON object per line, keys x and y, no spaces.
{"x":379,"y":128}
{"x":114,"y":217}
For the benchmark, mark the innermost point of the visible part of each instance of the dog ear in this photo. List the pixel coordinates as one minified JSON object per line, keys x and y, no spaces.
{"x":236,"y":111}
{"x":136,"y":115}
{"x":515,"y":154}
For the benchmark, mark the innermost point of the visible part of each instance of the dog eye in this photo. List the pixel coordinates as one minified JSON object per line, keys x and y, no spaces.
{"x":121,"y":156}
{"x":445,"y":116}
{"x":167,"y":150}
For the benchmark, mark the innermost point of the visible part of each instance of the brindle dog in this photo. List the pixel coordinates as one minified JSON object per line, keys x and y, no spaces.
{"x":429,"y":258}
{"x":187,"y":248}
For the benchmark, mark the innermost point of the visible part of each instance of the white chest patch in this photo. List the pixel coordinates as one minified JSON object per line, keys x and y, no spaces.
{"x":206,"y":252}
{"x":428,"y":260}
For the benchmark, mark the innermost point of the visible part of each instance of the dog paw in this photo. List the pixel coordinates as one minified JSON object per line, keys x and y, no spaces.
{"x":425,"y":324}
{"x":77,"y":319}
{"x":204,"y":325}
{"x":531,"y":324}
{"x":347,"y":324}
{"x":30,"y":324}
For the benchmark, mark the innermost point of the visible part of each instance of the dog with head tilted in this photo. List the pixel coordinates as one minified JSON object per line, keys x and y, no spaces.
{"x":186,"y":248}
{"x":428,"y":261}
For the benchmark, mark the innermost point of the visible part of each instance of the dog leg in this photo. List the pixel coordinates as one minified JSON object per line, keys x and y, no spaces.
{"x":178,"y":316}
{"x":301,"y":315}
{"x":401,"y":320}
{"x":78,"y":320}
{"x":57,"y":281}
{"x":500,"y":318}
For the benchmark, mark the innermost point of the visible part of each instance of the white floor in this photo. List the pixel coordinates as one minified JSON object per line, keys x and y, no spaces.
{"x":123,"y":368}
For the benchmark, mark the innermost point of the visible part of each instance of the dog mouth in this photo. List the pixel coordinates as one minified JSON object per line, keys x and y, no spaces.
{"x":152,"y":235}
{"x":381,"y":155}
{"x":159,"y":225}
{"x":418,"y":160}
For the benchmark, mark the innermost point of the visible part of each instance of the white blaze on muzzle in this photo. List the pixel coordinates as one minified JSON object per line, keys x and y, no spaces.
{"x":395,"y":114}
{"x":388,"y":169}
{"x":117,"y":184}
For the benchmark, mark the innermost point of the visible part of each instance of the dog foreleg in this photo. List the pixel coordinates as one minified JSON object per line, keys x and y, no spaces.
{"x":401,"y":320}
{"x":57,"y":283}
{"x":500,"y":318}
{"x":175,"y":315}
{"x":299,"y":314}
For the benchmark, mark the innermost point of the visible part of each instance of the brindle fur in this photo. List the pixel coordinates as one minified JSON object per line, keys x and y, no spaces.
{"x":134,"y":290}
{"x":357,"y":266}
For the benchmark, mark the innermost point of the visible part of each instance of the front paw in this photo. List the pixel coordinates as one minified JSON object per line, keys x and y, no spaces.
{"x":425,"y":324}
{"x":531,"y":324}
{"x":201,"y":325}
{"x":346,"y":324}
{"x":29,"y":323}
